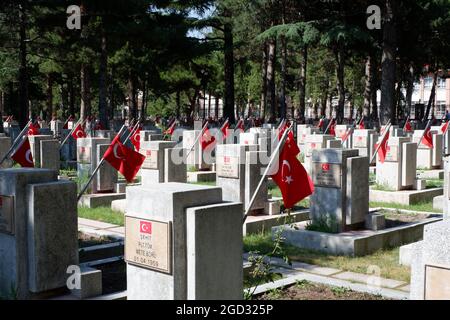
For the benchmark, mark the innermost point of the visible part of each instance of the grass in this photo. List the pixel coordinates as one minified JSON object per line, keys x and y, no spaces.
{"x":103,"y":214}
{"x":423,"y":206}
{"x":382,"y":187}
{"x":435,"y":183}
{"x":205,"y":183}
{"x":386,"y":260}
{"x":276,"y":192}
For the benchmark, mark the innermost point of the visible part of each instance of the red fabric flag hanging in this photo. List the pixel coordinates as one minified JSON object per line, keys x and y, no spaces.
{"x":408,"y":127}
{"x":225,"y":128}
{"x":292,"y":178}
{"x":207,"y":139}
{"x":240,"y":125}
{"x":33,"y":129}
{"x":136,"y":139}
{"x":444,"y":127}
{"x":321,"y":123}
{"x":123,"y":159}
{"x":332,"y":130}
{"x":291,"y":143}
{"x":428,"y":138}
{"x":382,"y":152}
{"x":23,"y":155}
{"x":78,"y":132}
{"x":283,"y":128}
{"x":361,"y":125}
{"x":171,"y":129}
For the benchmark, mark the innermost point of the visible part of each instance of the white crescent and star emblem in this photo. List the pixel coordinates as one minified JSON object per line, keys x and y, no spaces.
{"x":115,"y":151}
{"x":137,"y":137}
{"x":28,"y":156}
{"x":79,"y":134}
{"x":288,"y":178}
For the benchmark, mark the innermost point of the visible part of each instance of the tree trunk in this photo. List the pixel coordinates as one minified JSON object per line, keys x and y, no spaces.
{"x":132,"y":103}
{"x":144,"y":99}
{"x":367,"y":88}
{"x":283,"y":111}
{"x":85,"y":109}
{"x":388,"y":66}
{"x":340,"y":72}
{"x":432,"y":97}
{"x":271,"y":60}
{"x":102,"y":90}
{"x":263,"y":103}
{"x":228,"y":108}
{"x":2,"y":109}
{"x":302,"y":82}
{"x":409,"y":91}
{"x":217,"y":106}
{"x":23,"y":111}
{"x":178,"y":104}
{"x":71,"y":98}
{"x":49,"y":96}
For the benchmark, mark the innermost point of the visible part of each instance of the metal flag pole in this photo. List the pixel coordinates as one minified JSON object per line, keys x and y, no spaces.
{"x":347,"y":134}
{"x":329,"y":126}
{"x":196,"y":140}
{"x":100,"y":164}
{"x":70,"y":133}
{"x":16,"y":141}
{"x":379,"y":146}
{"x":424,"y":131}
{"x":133,"y":130}
{"x":269,"y":166}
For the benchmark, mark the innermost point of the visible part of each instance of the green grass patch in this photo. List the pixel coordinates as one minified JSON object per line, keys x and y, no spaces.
{"x":103,"y":214}
{"x":205,"y":183}
{"x":276,"y":192}
{"x":385,"y":260}
{"x":382,"y":187}
{"x":423,"y":206}
{"x":435,"y":183}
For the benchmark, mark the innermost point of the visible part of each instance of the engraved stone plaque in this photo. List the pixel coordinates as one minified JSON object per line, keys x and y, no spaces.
{"x":360,"y":142}
{"x":392,"y":154}
{"x":228,"y":167}
{"x":151,"y":159}
{"x":7,"y":214}
{"x":437,"y":282}
{"x":148,"y":244}
{"x":327,"y":175}
{"x":84,"y":155}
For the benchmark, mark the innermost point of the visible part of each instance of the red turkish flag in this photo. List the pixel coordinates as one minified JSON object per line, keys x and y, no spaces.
{"x":207,"y":139}
{"x":333,"y":129}
{"x":33,"y":129}
{"x":444,"y":127}
{"x":428,"y":138}
{"x":78,"y":132}
{"x":361,"y":125}
{"x":240,"y":125}
{"x":136,"y":139}
{"x":123,"y":159}
{"x":292,"y":178}
{"x":225,"y":128}
{"x":292,"y":144}
{"x":321,"y":123}
{"x":23,"y":155}
{"x":408,"y":127}
{"x":382,"y":152}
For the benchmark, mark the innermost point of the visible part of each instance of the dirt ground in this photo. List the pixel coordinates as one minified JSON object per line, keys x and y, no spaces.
{"x":312,"y":291}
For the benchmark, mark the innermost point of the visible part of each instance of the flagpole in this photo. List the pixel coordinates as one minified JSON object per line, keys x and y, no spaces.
{"x":133,"y":130}
{"x":196,"y":140}
{"x":269,"y":166}
{"x":14,"y":144}
{"x":329,"y":126}
{"x":70,"y":134}
{"x":100,"y":164}
{"x":379,"y":146}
